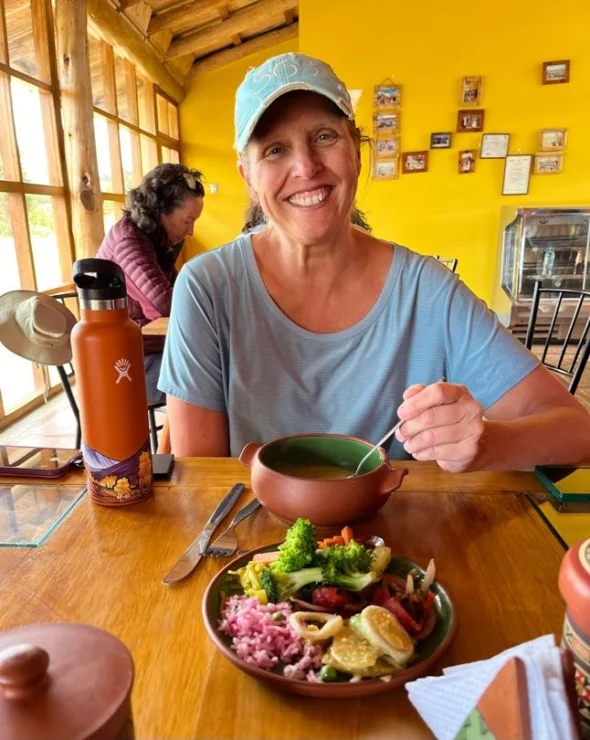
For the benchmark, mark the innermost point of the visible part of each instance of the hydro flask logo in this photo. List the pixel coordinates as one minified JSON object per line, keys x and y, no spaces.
{"x":123,"y":367}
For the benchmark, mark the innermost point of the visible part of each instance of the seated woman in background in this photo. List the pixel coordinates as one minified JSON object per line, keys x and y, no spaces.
{"x":146,"y":243}
{"x":314,"y":325}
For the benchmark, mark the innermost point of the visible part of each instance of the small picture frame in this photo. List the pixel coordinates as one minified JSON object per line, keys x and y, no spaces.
{"x":387,"y":122}
{"x":470,"y":120}
{"x":441,"y":140}
{"x":556,"y":73}
{"x":553,"y":139}
{"x":387,"y":147}
{"x":494,"y":146}
{"x":387,"y":96}
{"x":413,"y":162}
{"x":517,"y":174}
{"x":471,"y":91}
{"x":467,"y":161}
{"x":386,"y":169}
{"x":548,"y":163}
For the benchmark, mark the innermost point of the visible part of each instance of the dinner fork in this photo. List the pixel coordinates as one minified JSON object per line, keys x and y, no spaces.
{"x":227,"y":543}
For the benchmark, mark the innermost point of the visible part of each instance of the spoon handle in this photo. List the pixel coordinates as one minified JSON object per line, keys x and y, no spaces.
{"x":385,"y":438}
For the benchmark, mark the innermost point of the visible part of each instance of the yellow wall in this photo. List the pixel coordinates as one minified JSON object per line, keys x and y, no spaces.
{"x":207,"y":129}
{"x":428,"y":46}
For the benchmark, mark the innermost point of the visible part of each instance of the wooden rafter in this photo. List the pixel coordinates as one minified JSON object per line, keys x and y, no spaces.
{"x":243,"y":50}
{"x":195,"y":13}
{"x":117,"y":31}
{"x":242,"y":21}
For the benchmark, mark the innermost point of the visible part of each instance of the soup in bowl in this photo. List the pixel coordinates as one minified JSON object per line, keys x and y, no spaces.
{"x":306,"y":475}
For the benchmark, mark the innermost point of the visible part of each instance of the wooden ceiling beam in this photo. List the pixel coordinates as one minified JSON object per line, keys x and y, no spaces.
{"x":242,"y":21}
{"x":119,"y":33}
{"x":222,"y":58}
{"x":195,"y":13}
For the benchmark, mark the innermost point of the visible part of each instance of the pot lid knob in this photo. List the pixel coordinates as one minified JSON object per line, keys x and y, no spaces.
{"x":23,"y":669}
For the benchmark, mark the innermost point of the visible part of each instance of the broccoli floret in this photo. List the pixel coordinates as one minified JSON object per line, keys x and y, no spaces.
{"x":348,"y":559}
{"x":280,"y":586}
{"x":352,"y":580}
{"x":298,"y":549}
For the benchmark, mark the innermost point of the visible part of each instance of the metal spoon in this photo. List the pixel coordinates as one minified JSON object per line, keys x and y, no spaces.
{"x":382,"y":440}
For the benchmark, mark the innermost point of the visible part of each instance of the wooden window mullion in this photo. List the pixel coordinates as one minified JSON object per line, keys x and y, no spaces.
{"x":41,"y":31}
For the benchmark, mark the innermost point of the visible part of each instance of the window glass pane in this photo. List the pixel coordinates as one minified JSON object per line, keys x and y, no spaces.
{"x":173,"y":120}
{"x":163,"y":122}
{"x":145,"y":101}
{"x":9,"y":276}
{"x":46,"y":257}
{"x":170,"y":155}
{"x":111,"y":213}
{"x":130,"y":157}
{"x":149,"y":154}
{"x":19,"y":29}
{"x":122,"y":90}
{"x":103,"y":153}
{"x":96,"y":73}
{"x":34,"y":123}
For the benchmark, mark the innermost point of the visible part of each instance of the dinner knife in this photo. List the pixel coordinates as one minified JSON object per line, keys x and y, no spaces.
{"x":191,"y":557}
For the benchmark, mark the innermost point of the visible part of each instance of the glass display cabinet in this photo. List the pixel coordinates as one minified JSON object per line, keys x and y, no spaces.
{"x":547,"y":244}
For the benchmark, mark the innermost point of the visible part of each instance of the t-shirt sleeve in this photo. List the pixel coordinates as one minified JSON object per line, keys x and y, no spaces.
{"x":191,"y":366}
{"x":481,"y":353}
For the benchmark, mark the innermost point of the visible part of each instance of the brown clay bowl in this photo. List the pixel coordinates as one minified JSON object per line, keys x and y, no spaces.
{"x":428,"y":651}
{"x":332,"y":502}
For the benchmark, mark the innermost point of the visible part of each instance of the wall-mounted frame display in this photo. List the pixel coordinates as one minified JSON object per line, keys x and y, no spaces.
{"x":441,"y":140}
{"x":548,"y":163}
{"x":467,"y":161}
{"x":471,"y":91}
{"x":413,"y":162}
{"x":388,"y":122}
{"x":552,"y":139}
{"x":470,"y":120}
{"x":387,"y":96}
{"x":517,"y":174}
{"x":494,"y":146}
{"x":387,"y":147}
{"x":386,"y":169}
{"x":555,"y":73}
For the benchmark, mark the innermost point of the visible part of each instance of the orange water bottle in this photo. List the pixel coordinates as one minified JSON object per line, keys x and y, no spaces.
{"x":108,"y":360}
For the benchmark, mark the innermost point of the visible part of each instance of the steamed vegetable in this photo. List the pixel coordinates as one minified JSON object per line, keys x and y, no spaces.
{"x":279,"y":586}
{"x":298,"y":549}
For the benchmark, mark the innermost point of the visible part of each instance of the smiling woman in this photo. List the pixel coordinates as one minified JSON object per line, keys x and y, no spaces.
{"x":310,"y":324}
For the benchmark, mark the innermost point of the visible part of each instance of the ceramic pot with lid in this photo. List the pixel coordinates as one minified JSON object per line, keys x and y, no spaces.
{"x":277,"y":468}
{"x":64,"y":682}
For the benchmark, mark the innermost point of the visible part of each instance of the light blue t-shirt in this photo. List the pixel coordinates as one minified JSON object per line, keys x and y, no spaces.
{"x":230,"y":348}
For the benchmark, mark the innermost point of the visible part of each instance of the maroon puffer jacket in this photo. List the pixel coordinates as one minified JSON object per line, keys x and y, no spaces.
{"x":149,"y":286}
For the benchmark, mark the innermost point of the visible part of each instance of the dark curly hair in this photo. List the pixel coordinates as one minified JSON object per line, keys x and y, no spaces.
{"x":161,"y":191}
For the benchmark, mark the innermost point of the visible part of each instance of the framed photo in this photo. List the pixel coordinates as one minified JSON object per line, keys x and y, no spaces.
{"x":388,"y":96}
{"x":470,"y":120}
{"x":387,"y":147}
{"x":553,"y":139}
{"x":555,"y":73}
{"x":471,"y":90}
{"x":517,"y":174}
{"x":467,"y":161}
{"x":414,"y":162}
{"x":441,"y":140}
{"x":386,"y":169}
{"x":494,"y":146}
{"x":548,"y":163}
{"x":387,"y":122}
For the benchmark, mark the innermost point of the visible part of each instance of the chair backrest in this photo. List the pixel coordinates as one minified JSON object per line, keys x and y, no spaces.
{"x":450,"y":263}
{"x":567,"y":344}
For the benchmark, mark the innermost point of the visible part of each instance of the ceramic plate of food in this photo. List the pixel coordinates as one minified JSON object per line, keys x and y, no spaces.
{"x":331,"y":618}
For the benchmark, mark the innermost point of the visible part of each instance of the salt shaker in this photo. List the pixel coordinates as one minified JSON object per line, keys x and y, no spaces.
{"x":64,"y":682}
{"x":574,"y":584}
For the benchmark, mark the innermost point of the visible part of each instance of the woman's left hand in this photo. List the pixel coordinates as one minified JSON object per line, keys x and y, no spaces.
{"x":442,"y":422}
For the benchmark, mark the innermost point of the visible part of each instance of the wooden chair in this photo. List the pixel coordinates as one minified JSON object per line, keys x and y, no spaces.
{"x":574,"y":302}
{"x":450,"y":263}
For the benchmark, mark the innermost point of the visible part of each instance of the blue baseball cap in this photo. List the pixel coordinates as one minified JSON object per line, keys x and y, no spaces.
{"x":277,"y":76}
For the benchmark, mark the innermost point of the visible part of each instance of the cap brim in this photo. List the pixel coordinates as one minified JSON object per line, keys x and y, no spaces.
{"x":244,"y":136}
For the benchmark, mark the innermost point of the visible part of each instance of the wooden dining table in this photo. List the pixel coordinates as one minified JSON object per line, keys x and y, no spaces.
{"x":493,"y":551}
{"x":156,"y":328}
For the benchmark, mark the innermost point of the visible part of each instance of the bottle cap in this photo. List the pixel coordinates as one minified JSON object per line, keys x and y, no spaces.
{"x":99,"y":280}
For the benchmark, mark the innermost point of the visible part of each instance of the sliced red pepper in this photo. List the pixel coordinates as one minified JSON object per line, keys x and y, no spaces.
{"x":403,"y":617}
{"x":329,"y":597}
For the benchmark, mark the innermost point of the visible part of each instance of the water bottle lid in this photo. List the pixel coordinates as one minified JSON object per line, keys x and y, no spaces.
{"x":99,"y":279}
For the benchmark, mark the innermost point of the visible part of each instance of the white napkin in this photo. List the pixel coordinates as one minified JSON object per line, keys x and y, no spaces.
{"x":446,"y":701}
